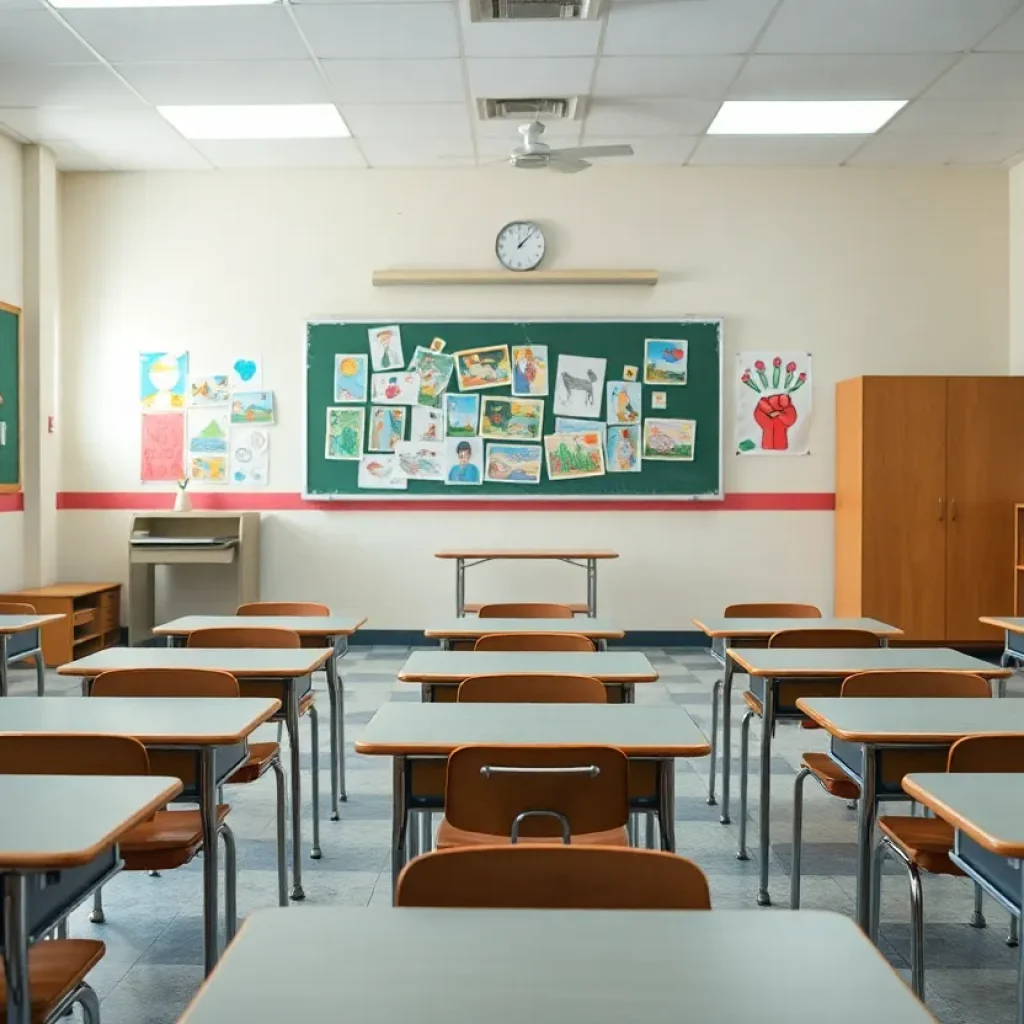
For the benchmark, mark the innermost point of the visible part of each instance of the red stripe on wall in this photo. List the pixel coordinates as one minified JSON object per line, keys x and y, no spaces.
{"x":12,"y":501}
{"x":281,"y":501}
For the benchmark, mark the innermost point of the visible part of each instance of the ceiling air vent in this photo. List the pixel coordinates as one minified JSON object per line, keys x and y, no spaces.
{"x":534,"y":10}
{"x":552,"y":109}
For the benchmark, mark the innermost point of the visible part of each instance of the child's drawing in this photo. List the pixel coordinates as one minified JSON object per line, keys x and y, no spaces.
{"x":395,"y":388}
{"x":622,"y":449}
{"x":624,"y":399}
{"x":386,"y":348}
{"x":529,"y":370}
{"x":461,"y":415}
{"x":669,"y":440}
{"x":629,"y":372}
{"x":464,"y":461}
{"x":162,"y":378}
{"x":350,"y":377}
{"x":209,"y":390}
{"x":427,"y":424}
{"x":387,"y":428}
{"x":568,"y":425}
{"x":246,"y":374}
{"x":572,"y":456}
{"x":659,"y":400}
{"x":207,"y":431}
{"x":250,"y":457}
{"x":163,"y":446}
{"x":421,"y":460}
{"x":773,"y":403}
{"x":435,"y":370}
{"x":513,"y":419}
{"x":252,"y":408}
{"x":438,"y":345}
{"x":579,"y":386}
{"x":210,"y":469}
{"x":344,"y":439}
{"x":513,"y":463}
{"x":381,"y":473}
{"x":664,"y":361}
{"x":479,"y":368}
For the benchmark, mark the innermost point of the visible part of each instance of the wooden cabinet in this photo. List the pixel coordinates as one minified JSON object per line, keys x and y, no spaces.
{"x":927,"y":473}
{"x":92,"y":618}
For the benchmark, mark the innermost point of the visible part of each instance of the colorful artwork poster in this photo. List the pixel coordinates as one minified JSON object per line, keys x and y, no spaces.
{"x":568,"y":425}
{"x":435,"y":370}
{"x":529,"y":370}
{"x":381,"y":473}
{"x":461,"y":415}
{"x":387,"y":428}
{"x":773,"y":403}
{"x":622,"y":449}
{"x":208,"y":469}
{"x":246,"y":374}
{"x":669,"y":440}
{"x":250,"y":457}
{"x":344,"y":439}
{"x":427,"y":424}
{"x":252,"y":408}
{"x":574,"y":456}
{"x":665,"y":361}
{"x":512,"y":419}
{"x":210,"y":390}
{"x":421,"y":460}
{"x":162,"y":380}
{"x":350,"y":377}
{"x":624,"y":398}
{"x":207,"y":431}
{"x":659,"y":400}
{"x":513,"y":463}
{"x":464,"y":461}
{"x":579,"y":386}
{"x":479,"y":368}
{"x":395,"y":388}
{"x":630,"y":372}
{"x":163,"y":446}
{"x":386,"y":347}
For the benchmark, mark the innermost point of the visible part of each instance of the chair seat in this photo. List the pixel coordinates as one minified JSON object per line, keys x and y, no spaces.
{"x":261,"y":756}
{"x":830,"y":776}
{"x":753,"y":702}
{"x":168,"y":840}
{"x":926,"y":841}
{"x":306,"y":701}
{"x":806,"y":723}
{"x":54,"y":970}
{"x":449,"y":837}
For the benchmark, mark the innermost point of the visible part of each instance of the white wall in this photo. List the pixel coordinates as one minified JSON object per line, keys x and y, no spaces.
{"x":1016,"y":290}
{"x":873,"y":271}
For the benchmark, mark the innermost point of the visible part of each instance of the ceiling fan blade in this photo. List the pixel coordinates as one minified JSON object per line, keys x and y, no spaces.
{"x":595,"y":151}
{"x":567,"y":166}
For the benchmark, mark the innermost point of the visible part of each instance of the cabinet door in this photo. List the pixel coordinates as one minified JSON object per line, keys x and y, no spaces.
{"x":985,"y":477}
{"x":904,"y":533}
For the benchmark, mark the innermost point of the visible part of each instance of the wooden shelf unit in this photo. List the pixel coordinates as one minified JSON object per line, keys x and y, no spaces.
{"x":92,"y":618}
{"x":394,"y":278}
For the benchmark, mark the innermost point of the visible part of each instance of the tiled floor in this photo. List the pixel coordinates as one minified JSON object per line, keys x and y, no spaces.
{"x":153,"y":929}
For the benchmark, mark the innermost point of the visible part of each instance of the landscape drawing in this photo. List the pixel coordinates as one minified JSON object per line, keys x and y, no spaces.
{"x":210,"y":469}
{"x":624,"y":402}
{"x":513,"y":463}
{"x":461,"y":415}
{"x":529,"y":370}
{"x":207,"y":431}
{"x":665,"y":361}
{"x":252,"y":408}
{"x":344,"y":440}
{"x":350,"y":376}
{"x":210,"y":390}
{"x":387,"y":428}
{"x":579,"y":386}
{"x":512,"y":419}
{"x":669,"y":440}
{"x":479,"y":368}
{"x":421,"y":460}
{"x":435,"y":370}
{"x":622,"y":449}
{"x":570,"y":425}
{"x":574,"y":456}
{"x":381,"y":473}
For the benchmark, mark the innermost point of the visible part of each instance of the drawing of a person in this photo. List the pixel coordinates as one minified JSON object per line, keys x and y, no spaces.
{"x":625,"y":453}
{"x":392,"y":389}
{"x":384,"y":339}
{"x":465,"y":472}
{"x":378,"y":426}
{"x":524,"y":372}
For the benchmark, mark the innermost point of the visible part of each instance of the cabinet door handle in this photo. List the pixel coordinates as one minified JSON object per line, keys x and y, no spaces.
{"x":952,"y":509}
{"x":942,"y":513}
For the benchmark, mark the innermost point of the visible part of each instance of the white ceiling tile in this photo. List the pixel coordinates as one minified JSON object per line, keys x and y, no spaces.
{"x":694,"y":78}
{"x":530,"y":38}
{"x":364,"y":31}
{"x":396,"y":81}
{"x":440,"y":152}
{"x":982,"y":76}
{"x":16,"y":5}
{"x":642,"y":118}
{"x":282,"y":153}
{"x":36,"y":35}
{"x":1008,"y":37}
{"x":39,"y":85}
{"x":399,"y":121}
{"x":881,"y":26}
{"x":789,"y":150}
{"x":526,"y":77}
{"x":677,"y":27}
{"x":227,"y":82}
{"x":189,"y":33}
{"x":72,"y":157}
{"x":838,"y":76}
{"x":85,"y":125}
{"x":662,"y":150}
{"x":890,"y":149}
{"x":960,"y":117}
{"x":139,"y":155}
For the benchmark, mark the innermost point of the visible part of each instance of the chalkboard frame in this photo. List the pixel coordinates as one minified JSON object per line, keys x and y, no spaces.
{"x":15,"y":486}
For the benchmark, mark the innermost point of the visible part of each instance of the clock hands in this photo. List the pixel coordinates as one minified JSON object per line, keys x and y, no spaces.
{"x":529,"y":235}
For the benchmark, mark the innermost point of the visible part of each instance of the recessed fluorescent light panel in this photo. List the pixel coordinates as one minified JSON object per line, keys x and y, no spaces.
{"x":271,"y":121}
{"x":803,"y":117}
{"x":72,"y":4}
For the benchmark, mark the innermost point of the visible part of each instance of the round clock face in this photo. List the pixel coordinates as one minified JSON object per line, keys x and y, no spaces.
{"x":520,"y":245}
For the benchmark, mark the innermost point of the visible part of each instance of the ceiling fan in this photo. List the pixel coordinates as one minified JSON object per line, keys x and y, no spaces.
{"x":533,"y":153}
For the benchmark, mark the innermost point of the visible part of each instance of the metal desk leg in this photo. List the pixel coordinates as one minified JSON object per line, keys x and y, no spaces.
{"x":460,"y":587}
{"x":399,"y":819}
{"x":40,"y":666}
{"x":592,"y":586}
{"x":716,"y":700}
{"x":726,"y":737}
{"x":291,"y":722}
{"x":1005,"y":661}
{"x":332,"y":696}
{"x":3,"y":664}
{"x":764,"y":811}
{"x":15,"y":951}
{"x":1020,"y":977}
{"x":208,"y":813}
{"x":667,"y":803}
{"x":866,"y":810}
{"x":336,"y":695}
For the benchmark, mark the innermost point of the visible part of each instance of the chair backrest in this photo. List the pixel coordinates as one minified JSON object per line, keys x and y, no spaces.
{"x":71,"y":754}
{"x":532,"y":689}
{"x":164,"y":682}
{"x":823,"y":638}
{"x":525,"y":610}
{"x":16,"y":608}
{"x":554,"y":878}
{"x":915,"y":684}
{"x":283,"y":608}
{"x":987,"y":754}
{"x":534,"y":642}
{"x":579,"y":788}
{"x":244,"y":636}
{"x":779,"y":610}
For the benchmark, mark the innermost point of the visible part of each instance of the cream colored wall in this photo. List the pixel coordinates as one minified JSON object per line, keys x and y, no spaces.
{"x":1016,"y":289}
{"x":872,"y":271}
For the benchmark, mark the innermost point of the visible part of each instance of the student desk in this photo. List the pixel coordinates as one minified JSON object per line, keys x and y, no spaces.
{"x":507,"y":966}
{"x":768,"y":668}
{"x":330,"y":631}
{"x":12,"y":625}
{"x":215,"y":729}
{"x":583,"y":558}
{"x":412,"y":734}
{"x":729,"y":632}
{"x":599,"y":630}
{"x":292,"y":668}
{"x":1013,"y":641}
{"x":57,"y":845}
{"x":867,"y":731}
{"x":618,"y":670}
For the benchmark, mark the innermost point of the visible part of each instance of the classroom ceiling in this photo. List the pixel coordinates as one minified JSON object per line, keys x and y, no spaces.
{"x":405,"y":75}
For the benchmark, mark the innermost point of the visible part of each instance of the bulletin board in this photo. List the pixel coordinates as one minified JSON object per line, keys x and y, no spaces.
{"x":10,"y":397}
{"x":621,"y":343}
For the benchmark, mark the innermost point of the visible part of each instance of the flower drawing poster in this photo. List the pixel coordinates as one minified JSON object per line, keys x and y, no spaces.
{"x":773,"y":403}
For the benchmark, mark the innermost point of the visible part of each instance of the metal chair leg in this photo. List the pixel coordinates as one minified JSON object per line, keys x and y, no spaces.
{"x":880,"y":854}
{"x":916,"y":918}
{"x":978,"y":917}
{"x":282,"y":848}
{"x":40,"y":677}
{"x":741,"y":848}
{"x":314,"y":786}
{"x":716,"y":697}
{"x":90,"y":1004}
{"x":798,"y":826}
{"x":649,"y":832}
{"x":62,"y":928}
{"x":280,"y":733}
{"x":1012,"y":939}
{"x":97,"y":916}
{"x":230,"y":882}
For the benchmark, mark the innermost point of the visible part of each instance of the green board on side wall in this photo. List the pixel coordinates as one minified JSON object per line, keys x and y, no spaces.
{"x":621,"y":343}
{"x":10,"y":398}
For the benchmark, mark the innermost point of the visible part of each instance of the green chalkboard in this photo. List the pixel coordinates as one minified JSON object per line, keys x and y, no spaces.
{"x":10,"y":397}
{"x":621,"y":343}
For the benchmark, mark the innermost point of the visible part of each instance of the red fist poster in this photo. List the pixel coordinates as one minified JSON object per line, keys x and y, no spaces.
{"x":773,"y":403}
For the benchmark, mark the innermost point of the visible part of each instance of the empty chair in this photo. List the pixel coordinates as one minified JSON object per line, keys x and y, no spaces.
{"x":525,"y":610}
{"x":534,"y":642}
{"x":924,"y":844}
{"x":536,"y":794}
{"x":23,"y":608}
{"x":555,"y":878}
{"x":56,"y":980}
{"x":283,"y":608}
{"x":532,"y":689}
{"x":827,"y":772}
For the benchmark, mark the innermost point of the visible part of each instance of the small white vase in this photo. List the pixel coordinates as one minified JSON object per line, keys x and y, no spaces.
{"x":182,"y":502}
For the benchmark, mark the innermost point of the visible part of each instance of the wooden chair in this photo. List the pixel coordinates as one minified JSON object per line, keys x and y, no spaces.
{"x":525,"y":610}
{"x":924,"y":844}
{"x":532,"y":689}
{"x":201,"y":682}
{"x":827,"y":773}
{"x":789,"y":692}
{"x":534,"y":642}
{"x":554,"y":878}
{"x":535,"y":794}
{"x":56,"y":979}
{"x":283,"y":608}
{"x":23,"y":608}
